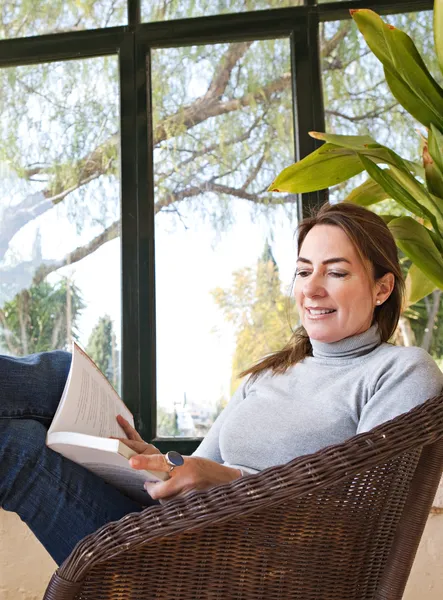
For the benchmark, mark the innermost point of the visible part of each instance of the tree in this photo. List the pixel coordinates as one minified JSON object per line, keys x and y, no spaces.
{"x":102,"y":349}
{"x":36,"y":320}
{"x":261,"y":314}
{"x":222,"y":125}
{"x":167,"y":423}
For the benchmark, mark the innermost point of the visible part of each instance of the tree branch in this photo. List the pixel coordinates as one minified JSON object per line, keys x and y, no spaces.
{"x":370,"y":115}
{"x":208,"y":149}
{"x":328,"y":46}
{"x":255,"y":171}
{"x":47,"y":267}
{"x":93,"y":165}
{"x":200,"y":110}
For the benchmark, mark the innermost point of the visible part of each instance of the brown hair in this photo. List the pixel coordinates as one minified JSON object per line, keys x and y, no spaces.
{"x":373,"y":242}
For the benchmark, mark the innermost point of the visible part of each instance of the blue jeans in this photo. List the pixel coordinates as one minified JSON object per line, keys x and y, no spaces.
{"x":60,"y":501}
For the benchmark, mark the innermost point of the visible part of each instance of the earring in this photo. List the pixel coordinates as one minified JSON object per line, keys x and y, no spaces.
{"x":378,"y":302}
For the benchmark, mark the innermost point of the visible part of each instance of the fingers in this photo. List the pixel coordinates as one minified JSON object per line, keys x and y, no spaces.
{"x":139,"y":447}
{"x":128,"y":429}
{"x":151,"y":462}
{"x":165,"y":489}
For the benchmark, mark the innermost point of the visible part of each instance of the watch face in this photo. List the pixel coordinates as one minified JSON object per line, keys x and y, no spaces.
{"x":175,"y":458}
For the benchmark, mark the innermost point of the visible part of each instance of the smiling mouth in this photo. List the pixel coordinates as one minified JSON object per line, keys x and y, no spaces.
{"x":318,"y":312}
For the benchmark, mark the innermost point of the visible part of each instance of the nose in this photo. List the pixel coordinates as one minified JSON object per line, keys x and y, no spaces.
{"x":313,"y":286}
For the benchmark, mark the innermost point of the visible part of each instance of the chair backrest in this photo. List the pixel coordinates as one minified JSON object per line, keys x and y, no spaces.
{"x":341,"y":524}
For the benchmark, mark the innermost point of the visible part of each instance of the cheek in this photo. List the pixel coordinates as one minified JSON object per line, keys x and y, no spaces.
{"x":298,"y":295}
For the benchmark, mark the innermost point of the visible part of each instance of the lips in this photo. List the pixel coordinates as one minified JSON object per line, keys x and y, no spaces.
{"x":320,"y":311}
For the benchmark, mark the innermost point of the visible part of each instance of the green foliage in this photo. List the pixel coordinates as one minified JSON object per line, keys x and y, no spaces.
{"x":178,"y":9}
{"x":261,"y":314}
{"x":36,"y":17}
{"x":420,"y":237}
{"x":419,"y":318}
{"x":102,"y":349}
{"x":166,"y":423}
{"x":36,"y":319}
{"x":418,"y":285}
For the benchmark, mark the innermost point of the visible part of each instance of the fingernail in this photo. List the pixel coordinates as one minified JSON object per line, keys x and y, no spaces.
{"x":135,"y":462}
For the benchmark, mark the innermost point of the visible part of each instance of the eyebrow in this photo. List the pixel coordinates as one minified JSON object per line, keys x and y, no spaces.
{"x":328,"y":261}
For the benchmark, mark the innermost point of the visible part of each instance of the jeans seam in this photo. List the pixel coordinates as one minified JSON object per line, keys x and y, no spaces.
{"x":26,"y":415}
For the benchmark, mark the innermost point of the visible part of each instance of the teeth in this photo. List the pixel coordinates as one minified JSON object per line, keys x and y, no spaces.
{"x":321,"y":312}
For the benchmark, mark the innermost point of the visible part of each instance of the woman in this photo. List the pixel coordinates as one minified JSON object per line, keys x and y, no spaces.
{"x":337,"y":376}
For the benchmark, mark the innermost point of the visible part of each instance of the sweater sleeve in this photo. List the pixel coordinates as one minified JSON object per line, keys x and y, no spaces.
{"x":409,"y":379}
{"x":210,"y":447}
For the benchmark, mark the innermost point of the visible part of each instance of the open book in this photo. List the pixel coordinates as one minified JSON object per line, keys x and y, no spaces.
{"x":85,"y":420}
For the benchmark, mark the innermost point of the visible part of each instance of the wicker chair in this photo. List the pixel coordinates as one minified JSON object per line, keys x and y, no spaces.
{"x":341,"y":524}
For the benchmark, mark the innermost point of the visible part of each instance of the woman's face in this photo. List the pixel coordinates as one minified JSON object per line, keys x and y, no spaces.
{"x":335,"y":296}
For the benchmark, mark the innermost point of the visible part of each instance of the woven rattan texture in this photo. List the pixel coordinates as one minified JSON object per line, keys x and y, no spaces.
{"x":322,"y":527}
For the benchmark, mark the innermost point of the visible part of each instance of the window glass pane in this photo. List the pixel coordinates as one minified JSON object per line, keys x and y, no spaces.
{"x":160,"y":10}
{"x":60,"y":209}
{"x":24,"y":18}
{"x":224,"y":246}
{"x":357,"y":99}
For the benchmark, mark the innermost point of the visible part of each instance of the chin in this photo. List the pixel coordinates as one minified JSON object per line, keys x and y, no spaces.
{"x":327,"y":339}
{"x":324,"y":336}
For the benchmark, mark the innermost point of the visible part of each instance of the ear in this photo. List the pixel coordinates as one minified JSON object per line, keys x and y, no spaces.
{"x":383,"y":288}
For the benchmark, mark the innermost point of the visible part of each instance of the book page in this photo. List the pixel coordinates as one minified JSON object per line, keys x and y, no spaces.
{"x":129,"y":482}
{"x":89,"y":403}
{"x":108,"y":459}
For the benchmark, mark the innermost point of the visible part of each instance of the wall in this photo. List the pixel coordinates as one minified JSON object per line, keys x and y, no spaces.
{"x":25,"y":567}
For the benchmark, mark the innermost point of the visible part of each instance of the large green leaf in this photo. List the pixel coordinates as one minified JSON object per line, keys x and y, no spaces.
{"x":364,"y":144}
{"x":414,"y":240}
{"x":434,"y":177}
{"x":406,"y":96}
{"x":323,"y":168}
{"x":369,"y":192}
{"x":438,"y":31}
{"x":399,"y":55}
{"x":395,"y":189}
{"x":417,"y":285}
{"x":437,"y":239}
{"x":415,"y":168}
{"x":353,"y":142}
{"x":435,"y":145}
{"x":430,"y":205}
{"x":388,"y":218}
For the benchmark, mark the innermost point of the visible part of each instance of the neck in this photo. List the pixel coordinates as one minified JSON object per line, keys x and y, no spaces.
{"x":350,"y":347}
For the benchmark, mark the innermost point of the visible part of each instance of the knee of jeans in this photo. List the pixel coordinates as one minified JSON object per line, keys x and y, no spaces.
{"x":22,"y":445}
{"x":22,"y":437}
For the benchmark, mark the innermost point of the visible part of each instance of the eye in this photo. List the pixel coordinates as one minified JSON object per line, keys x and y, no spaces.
{"x":337,"y":274}
{"x":302,"y":273}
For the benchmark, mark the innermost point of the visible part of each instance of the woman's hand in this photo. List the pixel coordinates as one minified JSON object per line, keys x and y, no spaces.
{"x":134,"y":439}
{"x":195,"y":474}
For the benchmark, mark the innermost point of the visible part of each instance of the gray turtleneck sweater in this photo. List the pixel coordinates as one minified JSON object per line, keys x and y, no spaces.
{"x":345,"y":388}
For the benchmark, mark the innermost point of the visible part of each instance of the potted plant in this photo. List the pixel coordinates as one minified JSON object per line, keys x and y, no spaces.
{"x":418,"y":188}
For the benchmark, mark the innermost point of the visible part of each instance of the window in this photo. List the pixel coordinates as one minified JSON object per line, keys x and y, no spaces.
{"x":223,"y":123}
{"x":135,"y":159}
{"x":23,"y":18}
{"x":159,"y":10}
{"x":60,"y":206}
